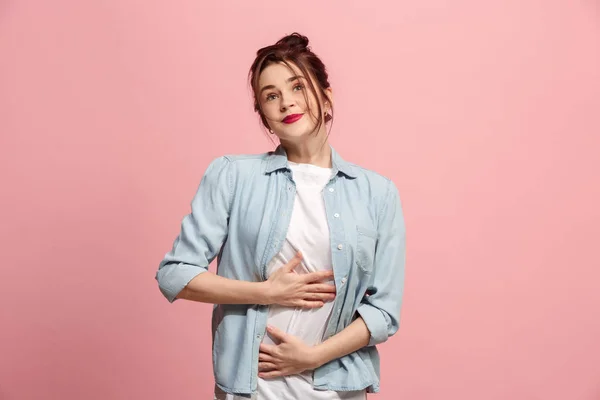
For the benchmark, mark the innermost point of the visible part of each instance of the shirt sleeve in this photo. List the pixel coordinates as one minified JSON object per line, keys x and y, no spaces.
{"x":381,"y":308}
{"x":202,"y":234}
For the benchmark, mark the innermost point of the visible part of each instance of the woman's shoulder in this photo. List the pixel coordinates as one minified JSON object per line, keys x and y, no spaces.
{"x":245,"y":157}
{"x":377,"y":181}
{"x":237,"y":165}
{"x":362,"y":175}
{"x":239,"y":158}
{"x":371,"y":174}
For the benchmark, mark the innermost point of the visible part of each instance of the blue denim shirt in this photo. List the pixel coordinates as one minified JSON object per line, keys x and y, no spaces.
{"x":241,"y":213}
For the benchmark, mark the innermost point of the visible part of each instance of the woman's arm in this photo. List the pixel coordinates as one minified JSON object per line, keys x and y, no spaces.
{"x":292,"y":356}
{"x":203,"y":232}
{"x":380,"y":310}
{"x":284,"y":287}
{"x":183,"y":273}
{"x":211,"y":288}
{"x":353,"y":338}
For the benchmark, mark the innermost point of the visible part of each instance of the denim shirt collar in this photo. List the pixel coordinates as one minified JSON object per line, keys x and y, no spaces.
{"x":278,"y":160}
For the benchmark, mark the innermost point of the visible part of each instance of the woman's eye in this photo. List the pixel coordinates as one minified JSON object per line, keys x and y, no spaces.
{"x":298,"y":87}
{"x":271,"y":97}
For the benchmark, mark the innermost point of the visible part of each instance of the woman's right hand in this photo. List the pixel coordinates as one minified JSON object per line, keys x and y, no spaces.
{"x":288,"y":288}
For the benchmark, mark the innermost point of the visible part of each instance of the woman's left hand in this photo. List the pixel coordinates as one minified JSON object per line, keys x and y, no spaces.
{"x":291,"y":356}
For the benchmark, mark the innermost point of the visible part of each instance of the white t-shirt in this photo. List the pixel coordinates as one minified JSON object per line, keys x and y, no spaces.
{"x":308,"y":233}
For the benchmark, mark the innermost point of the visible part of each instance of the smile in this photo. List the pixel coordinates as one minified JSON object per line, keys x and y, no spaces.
{"x":290,"y":119}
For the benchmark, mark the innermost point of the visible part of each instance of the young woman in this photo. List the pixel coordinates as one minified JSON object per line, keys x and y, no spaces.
{"x":310,"y":249}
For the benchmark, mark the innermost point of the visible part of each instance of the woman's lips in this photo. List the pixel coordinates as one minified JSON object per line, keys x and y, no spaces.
{"x":290,"y":119}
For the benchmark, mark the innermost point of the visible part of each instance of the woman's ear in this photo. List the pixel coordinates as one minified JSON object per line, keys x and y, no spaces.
{"x":328,"y":101}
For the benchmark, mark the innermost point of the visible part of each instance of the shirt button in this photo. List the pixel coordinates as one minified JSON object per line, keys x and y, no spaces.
{"x":340,"y":247}
{"x":331,"y":190}
{"x":336,"y":215}
{"x":344,"y":280}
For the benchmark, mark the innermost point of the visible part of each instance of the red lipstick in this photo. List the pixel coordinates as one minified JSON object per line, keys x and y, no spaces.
{"x":290,"y":119}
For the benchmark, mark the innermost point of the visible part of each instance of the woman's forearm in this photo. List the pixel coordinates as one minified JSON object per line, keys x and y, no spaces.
{"x":354,"y":337}
{"x":211,"y":288}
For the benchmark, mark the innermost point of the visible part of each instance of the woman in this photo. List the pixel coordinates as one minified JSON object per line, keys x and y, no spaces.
{"x":310,"y":249}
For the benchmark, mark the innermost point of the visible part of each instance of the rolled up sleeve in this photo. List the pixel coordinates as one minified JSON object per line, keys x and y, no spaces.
{"x":202,"y":234}
{"x":380,"y":310}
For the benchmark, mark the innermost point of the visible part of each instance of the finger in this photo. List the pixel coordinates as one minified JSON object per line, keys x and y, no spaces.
{"x":317,"y":276}
{"x":319,"y":296}
{"x":309,"y":304}
{"x":294,"y":262}
{"x":277,"y":333}
{"x":267,"y":348}
{"x":320,"y":288}
{"x":270,"y":374}
{"x":266,"y":366}
{"x":266,"y":357}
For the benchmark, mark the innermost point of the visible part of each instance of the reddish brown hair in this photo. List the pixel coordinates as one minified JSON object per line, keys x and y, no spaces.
{"x":292,"y":49}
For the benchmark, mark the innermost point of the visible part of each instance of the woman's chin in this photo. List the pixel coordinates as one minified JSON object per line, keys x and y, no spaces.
{"x":293,"y":134}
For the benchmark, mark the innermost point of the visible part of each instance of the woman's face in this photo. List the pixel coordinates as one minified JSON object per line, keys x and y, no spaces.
{"x":282,"y":95}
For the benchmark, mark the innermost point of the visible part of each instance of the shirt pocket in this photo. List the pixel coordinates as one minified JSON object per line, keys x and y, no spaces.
{"x":366,"y":241}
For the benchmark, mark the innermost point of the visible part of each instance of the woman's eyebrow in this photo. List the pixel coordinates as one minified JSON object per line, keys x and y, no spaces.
{"x":293,"y":78}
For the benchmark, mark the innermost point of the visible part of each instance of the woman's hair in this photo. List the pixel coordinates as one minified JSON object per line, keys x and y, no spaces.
{"x":293,"y":49}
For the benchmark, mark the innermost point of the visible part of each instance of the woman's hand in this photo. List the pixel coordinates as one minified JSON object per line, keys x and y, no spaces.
{"x":287,"y":288}
{"x":291,"y":356}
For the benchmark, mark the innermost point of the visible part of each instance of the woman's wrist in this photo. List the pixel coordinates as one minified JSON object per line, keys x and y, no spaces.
{"x":352,"y":338}
{"x":263,"y":294}
{"x":317,"y":356}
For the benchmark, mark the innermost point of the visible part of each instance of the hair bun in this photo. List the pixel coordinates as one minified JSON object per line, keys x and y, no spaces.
{"x":295,"y":41}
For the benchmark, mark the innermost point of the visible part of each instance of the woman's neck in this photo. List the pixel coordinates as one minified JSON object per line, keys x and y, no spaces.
{"x":311,"y":152}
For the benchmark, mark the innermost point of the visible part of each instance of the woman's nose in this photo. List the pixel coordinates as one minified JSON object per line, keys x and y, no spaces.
{"x":287,"y":101}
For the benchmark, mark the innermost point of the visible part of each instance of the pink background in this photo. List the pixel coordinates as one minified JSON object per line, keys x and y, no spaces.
{"x":485,"y":114}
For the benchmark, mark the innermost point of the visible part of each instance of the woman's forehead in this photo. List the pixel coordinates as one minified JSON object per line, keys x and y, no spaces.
{"x":279,"y":73}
